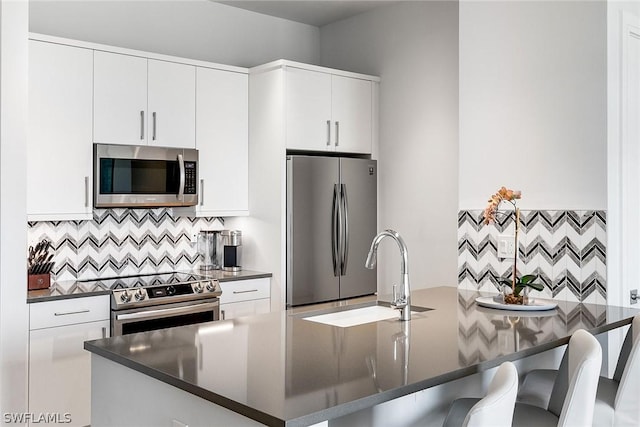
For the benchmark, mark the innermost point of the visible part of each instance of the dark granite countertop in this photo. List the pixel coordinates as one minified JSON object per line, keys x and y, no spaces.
{"x":78,"y":289}
{"x":280,"y":369}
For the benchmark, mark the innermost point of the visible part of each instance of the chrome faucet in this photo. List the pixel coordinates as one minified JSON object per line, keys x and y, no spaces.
{"x":403,"y":300}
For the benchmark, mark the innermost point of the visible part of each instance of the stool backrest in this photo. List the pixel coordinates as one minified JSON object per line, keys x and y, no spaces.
{"x":496,"y":408}
{"x":585,"y":359}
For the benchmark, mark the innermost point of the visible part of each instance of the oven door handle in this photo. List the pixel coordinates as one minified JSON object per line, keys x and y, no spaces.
{"x":167,"y":312}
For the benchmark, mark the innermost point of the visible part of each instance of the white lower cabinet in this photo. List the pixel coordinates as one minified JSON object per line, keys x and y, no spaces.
{"x":245,"y":308}
{"x":59,"y":367}
{"x":245,"y":297}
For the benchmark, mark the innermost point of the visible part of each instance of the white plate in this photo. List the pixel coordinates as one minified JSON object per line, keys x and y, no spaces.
{"x":534,"y":304}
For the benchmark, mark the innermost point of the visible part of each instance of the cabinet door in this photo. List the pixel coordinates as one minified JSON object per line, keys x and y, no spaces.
{"x":120,"y":98}
{"x":60,"y":371}
{"x":351,"y":110}
{"x":222,"y":139}
{"x":308,"y":110}
{"x":59,"y":153}
{"x":245,"y":308}
{"x":171,"y":117}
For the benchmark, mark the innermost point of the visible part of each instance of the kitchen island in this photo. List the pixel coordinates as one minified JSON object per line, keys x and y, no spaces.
{"x":280,"y":369}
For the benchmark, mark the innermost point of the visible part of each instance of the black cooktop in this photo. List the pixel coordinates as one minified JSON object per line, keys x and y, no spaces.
{"x":144,"y":280}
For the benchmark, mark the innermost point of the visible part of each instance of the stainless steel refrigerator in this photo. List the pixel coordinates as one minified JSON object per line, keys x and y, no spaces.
{"x":331,"y":221}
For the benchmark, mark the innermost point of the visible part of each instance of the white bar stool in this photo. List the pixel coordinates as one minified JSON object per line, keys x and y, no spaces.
{"x":495,"y":409}
{"x":617,"y":399}
{"x":573,"y":397}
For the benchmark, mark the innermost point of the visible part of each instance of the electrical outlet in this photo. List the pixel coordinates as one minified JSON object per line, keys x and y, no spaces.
{"x":634,"y":296}
{"x":506,"y":246}
{"x":194,"y":235}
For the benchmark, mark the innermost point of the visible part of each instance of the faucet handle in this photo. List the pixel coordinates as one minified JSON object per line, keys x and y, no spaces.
{"x":398,"y":301}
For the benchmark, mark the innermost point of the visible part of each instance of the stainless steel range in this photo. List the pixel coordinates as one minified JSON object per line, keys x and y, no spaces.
{"x":158,"y":301}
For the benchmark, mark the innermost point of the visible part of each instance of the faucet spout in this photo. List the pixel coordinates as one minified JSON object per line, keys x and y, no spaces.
{"x":400,"y":301}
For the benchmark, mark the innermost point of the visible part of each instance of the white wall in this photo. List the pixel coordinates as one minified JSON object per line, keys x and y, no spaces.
{"x":14,"y":319}
{"x":533,"y":103}
{"x":413,"y":47}
{"x":197,"y":29}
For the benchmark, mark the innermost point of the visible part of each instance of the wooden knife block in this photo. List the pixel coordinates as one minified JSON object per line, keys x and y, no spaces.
{"x":38,"y":281}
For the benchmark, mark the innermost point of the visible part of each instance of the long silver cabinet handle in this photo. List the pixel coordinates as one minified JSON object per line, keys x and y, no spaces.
{"x":222,"y":315}
{"x":142,"y":124}
{"x":245,"y":292}
{"x":154,"y":126}
{"x":337,"y":133}
{"x":86,"y":191}
{"x":328,"y":133}
{"x":67,"y":313}
{"x":104,"y":332}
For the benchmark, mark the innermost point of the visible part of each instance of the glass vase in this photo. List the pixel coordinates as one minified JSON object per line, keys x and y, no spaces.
{"x":509,"y":298}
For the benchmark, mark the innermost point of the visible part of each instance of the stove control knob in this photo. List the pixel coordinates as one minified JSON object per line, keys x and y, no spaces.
{"x":125,"y":296}
{"x":139,"y":295}
{"x":198,"y":288}
{"x":211,"y":286}
{"x":171,"y":290}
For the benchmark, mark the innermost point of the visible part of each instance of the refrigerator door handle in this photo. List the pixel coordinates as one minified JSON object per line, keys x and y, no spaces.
{"x":335,"y":227}
{"x":344,"y":252}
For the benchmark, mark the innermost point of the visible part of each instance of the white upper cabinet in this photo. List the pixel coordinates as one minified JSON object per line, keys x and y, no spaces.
{"x":351,"y":111}
{"x":143,"y":101}
{"x":120,"y":98}
{"x":222,"y":138}
{"x":308,"y":110}
{"x":327,"y":112}
{"x":82,"y":93}
{"x":59,"y":151}
{"x":172,"y":104}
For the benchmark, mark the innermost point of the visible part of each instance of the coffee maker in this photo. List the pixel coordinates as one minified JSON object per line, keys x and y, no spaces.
{"x":210,"y":248}
{"x":232,"y":250}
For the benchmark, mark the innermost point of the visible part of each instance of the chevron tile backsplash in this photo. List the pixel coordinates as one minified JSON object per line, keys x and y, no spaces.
{"x":121,"y":242}
{"x":565,"y":249}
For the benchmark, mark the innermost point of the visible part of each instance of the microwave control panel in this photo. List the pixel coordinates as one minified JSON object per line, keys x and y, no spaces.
{"x":190,"y":178}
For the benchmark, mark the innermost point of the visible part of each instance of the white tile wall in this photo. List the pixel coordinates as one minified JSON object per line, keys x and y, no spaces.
{"x":122,"y":242}
{"x":565,"y":249}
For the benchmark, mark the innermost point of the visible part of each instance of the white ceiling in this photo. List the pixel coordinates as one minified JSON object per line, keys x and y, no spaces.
{"x":317,"y":13}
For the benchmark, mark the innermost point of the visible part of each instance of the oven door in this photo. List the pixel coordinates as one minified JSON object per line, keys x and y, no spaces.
{"x":144,"y":319}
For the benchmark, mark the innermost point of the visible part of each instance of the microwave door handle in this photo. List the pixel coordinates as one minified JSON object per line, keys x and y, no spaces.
{"x":182,"y":177}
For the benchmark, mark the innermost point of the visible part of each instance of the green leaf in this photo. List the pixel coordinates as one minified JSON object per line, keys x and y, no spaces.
{"x":526,"y":279}
{"x":518,"y":289}
{"x":506,"y":282}
{"x":536,"y":286}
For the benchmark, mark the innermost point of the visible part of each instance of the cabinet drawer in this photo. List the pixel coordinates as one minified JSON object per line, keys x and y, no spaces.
{"x":68,"y":311}
{"x":245,"y":290}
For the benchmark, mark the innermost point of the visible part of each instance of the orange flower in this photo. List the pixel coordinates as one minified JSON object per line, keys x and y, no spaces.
{"x":503,"y":195}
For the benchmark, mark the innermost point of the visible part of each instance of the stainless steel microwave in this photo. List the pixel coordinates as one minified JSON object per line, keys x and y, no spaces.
{"x":144,"y":176}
